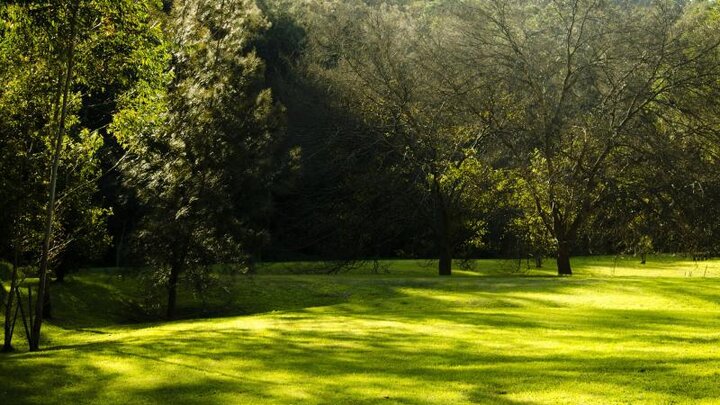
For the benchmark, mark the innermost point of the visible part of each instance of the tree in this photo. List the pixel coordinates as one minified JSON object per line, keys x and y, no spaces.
{"x":57,"y":58}
{"x":203,"y":142}
{"x":57,"y":67}
{"x":571,"y":88}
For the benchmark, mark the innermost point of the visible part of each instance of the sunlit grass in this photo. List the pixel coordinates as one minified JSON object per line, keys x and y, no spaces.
{"x":607,"y":335}
{"x":622,"y":265}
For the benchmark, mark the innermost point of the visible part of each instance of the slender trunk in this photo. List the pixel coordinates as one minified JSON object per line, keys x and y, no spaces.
{"x":643,"y":258}
{"x":46,"y":304}
{"x":44,"y":259}
{"x":119,"y":248}
{"x":442,"y":233}
{"x":9,"y":318}
{"x":445,"y":263}
{"x":538,"y":261}
{"x":563,"y":259}
{"x":172,"y":290}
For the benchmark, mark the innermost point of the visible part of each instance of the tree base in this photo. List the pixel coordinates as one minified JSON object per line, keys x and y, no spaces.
{"x":563,"y":264}
{"x":445,"y":267}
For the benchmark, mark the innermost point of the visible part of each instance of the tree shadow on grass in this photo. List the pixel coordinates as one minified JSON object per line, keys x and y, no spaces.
{"x":502,"y":340}
{"x":90,"y":305}
{"x":100,"y":299}
{"x":371,"y":354}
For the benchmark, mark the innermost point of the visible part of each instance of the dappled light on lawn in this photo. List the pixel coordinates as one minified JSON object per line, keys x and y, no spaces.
{"x":404,"y":339}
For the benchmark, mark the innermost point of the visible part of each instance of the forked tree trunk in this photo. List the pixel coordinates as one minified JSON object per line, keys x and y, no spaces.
{"x":563,"y":259}
{"x":43,"y":293}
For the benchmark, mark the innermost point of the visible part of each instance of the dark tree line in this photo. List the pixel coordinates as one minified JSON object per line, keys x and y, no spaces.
{"x":564,"y":127}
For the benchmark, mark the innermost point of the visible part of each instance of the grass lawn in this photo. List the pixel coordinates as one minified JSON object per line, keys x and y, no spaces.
{"x":616,"y":332}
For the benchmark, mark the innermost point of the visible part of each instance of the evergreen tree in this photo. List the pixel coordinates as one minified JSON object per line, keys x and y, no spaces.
{"x":204,"y":143}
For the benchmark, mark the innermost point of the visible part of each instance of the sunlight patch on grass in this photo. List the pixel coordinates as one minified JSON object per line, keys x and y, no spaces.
{"x":417,"y":340}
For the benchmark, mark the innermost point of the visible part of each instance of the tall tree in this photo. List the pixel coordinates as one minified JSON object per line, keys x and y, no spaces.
{"x":203,"y":143}
{"x":56,"y":58}
{"x":64,"y":83}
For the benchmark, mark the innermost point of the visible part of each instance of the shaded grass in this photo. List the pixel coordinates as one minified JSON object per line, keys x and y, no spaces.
{"x":403,"y":337}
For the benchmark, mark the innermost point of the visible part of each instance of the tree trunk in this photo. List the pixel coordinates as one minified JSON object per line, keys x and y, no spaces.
{"x":643,"y":258}
{"x":538,"y":261}
{"x":445,"y":263}
{"x":9,"y":318}
{"x":43,"y":292}
{"x":443,"y":238}
{"x":119,"y":247}
{"x":563,"y":259}
{"x":47,"y":304}
{"x":172,"y":290}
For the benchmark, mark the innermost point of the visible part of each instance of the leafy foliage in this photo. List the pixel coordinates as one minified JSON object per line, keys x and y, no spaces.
{"x":203,"y":140}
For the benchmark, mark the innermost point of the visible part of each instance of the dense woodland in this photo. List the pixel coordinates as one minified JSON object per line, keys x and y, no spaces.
{"x":177,"y":135}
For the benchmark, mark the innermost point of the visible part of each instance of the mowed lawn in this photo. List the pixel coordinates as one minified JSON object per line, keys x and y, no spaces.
{"x":616,"y":332}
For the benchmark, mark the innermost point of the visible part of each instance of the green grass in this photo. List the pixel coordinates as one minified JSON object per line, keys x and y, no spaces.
{"x":616,"y":332}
